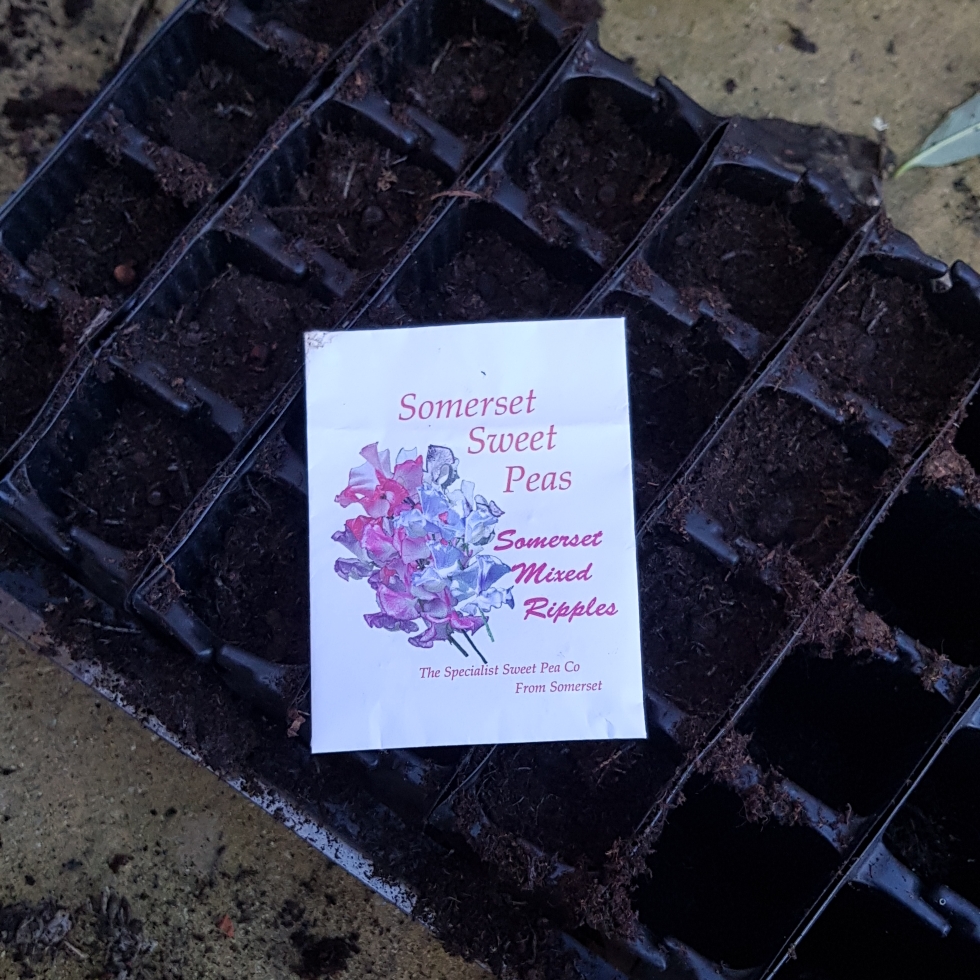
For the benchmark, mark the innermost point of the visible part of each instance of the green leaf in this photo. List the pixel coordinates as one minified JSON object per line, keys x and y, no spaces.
{"x":956,"y":139}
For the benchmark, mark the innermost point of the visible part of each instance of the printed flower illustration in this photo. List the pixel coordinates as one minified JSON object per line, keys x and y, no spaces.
{"x":420,"y":546}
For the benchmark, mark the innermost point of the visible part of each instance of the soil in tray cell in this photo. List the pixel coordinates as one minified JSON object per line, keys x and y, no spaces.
{"x":255,"y":591}
{"x":119,"y":227}
{"x":217,"y":119}
{"x":473,"y":84}
{"x":878,"y":338}
{"x":680,"y":378}
{"x":751,"y":256}
{"x":31,"y":361}
{"x":325,"y":21}
{"x":937,"y":832}
{"x":782,"y":475}
{"x":242,"y":338}
{"x":706,"y":629}
{"x":573,"y":799}
{"x":491,"y":279}
{"x":733,"y":890}
{"x":138,"y":480}
{"x":360,"y":201}
{"x":597,"y":167}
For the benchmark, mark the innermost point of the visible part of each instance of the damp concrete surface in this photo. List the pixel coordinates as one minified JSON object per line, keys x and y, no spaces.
{"x":108,"y":828}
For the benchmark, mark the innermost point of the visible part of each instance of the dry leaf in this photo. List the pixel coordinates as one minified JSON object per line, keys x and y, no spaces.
{"x":226,"y":926}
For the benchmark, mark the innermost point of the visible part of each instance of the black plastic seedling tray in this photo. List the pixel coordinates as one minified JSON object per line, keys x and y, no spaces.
{"x":804,"y":451}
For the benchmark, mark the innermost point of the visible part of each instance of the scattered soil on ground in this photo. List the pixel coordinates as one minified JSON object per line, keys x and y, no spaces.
{"x":877,"y":337}
{"x":118,"y":221}
{"x":761,"y":264}
{"x":242,"y":338}
{"x":598,"y":167}
{"x":491,"y":279}
{"x":680,"y":379}
{"x":706,"y":629}
{"x":255,"y":591}
{"x":30,"y":362}
{"x":217,"y":119}
{"x":476,"y":83}
{"x":136,"y":482}
{"x":324,"y":21}
{"x":782,"y":475}
{"x":360,"y":201}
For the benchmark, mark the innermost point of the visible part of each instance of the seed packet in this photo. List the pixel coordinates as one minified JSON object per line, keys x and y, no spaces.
{"x":472,"y":549}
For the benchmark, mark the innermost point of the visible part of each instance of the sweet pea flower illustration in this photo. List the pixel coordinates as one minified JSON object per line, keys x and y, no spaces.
{"x":419,"y":546}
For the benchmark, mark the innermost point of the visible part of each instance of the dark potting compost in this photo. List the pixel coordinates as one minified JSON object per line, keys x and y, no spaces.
{"x":805,"y":437}
{"x":255,"y":593}
{"x":135,"y":483}
{"x":747,"y":257}
{"x":490,"y":278}
{"x":217,"y":118}
{"x":473,"y":84}
{"x":360,"y":201}
{"x":120,"y":225}
{"x":31,"y":358}
{"x":242,"y":337}
{"x":594,"y":165}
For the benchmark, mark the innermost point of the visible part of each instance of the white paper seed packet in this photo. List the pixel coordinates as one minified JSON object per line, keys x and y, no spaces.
{"x":472,"y":555}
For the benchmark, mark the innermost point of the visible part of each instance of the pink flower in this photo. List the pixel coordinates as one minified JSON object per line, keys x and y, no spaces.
{"x":379,"y":490}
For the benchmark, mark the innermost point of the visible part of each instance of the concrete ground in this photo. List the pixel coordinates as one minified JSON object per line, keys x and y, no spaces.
{"x":90,"y":801}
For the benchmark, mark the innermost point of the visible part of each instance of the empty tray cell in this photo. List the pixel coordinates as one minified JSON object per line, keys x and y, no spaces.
{"x":31,"y":359}
{"x":864,"y":935}
{"x":920,"y":571}
{"x":324,"y":21}
{"x":731,"y":889}
{"x":848,"y":729}
{"x":937,"y":831}
{"x":491,"y":278}
{"x":241,"y":336}
{"x":706,"y":628}
{"x":680,"y":378}
{"x":119,"y":226}
{"x":878,"y":337}
{"x":572,"y":801}
{"x":217,"y":118}
{"x":475,"y":68}
{"x":745,"y":255}
{"x":253,"y":591}
{"x":780,"y":474}
{"x":135,"y":482}
{"x":360,"y":200}
{"x":605,"y":163}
